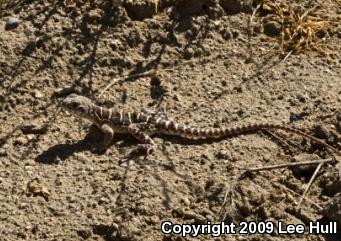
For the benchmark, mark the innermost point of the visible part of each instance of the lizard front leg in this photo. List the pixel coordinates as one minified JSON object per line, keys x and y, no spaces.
{"x":108,"y":136}
{"x":137,"y":131}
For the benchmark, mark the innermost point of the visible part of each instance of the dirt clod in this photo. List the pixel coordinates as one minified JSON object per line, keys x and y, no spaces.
{"x":332,"y":210}
{"x":272,"y":28}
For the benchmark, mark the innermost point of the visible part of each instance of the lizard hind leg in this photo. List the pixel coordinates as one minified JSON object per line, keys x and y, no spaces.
{"x":148,"y":143}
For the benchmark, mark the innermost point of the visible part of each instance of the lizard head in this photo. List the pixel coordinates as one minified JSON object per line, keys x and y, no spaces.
{"x":77,"y":104}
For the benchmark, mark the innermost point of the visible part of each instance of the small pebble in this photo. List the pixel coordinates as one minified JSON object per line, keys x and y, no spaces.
{"x":58,"y":182}
{"x":338,"y":33}
{"x":63,"y":91}
{"x":185,"y":201}
{"x":20,"y":140}
{"x":227,"y":34}
{"x":71,"y":199}
{"x":29,"y":168}
{"x":189,"y":53}
{"x":302,"y":98}
{"x":222,"y":154}
{"x":296,"y":116}
{"x":22,"y":205}
{"x":3,"y":152}
{"x":235,"y":33}
{"x":177,"y":97}
{"x":103,"y":200}
{"x":239,"y":89}
{"x":38,"y":94}
{"x":12,"y":23}
{"x":34,"y":127}
{"x":114,"y":226}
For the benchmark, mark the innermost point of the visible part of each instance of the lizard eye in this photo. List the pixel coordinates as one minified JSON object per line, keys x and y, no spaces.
{"x":81,"y":109}
{"x":74,"y":105}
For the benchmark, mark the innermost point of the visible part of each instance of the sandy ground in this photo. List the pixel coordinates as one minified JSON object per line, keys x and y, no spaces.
{"x":54,"y":187}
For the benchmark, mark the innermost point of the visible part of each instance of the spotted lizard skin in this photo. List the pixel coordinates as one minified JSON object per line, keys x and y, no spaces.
{"x":143,"y":125}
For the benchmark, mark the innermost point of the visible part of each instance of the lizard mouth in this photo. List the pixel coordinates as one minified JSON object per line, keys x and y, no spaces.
{"x":77,"y":104}
{"x":66,"y":107}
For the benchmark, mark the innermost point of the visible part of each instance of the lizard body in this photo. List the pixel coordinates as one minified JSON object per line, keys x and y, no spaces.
{"x":142,"y":125}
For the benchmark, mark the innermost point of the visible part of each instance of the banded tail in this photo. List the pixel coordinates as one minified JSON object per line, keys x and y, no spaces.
{"x":172,"y":128}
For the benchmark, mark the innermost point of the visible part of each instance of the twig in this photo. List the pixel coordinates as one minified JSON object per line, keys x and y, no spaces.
{"x":305,"y":198}
{"x":287,"y":56}
{"x":309,"y":184}
{"x":223,"y":205}
{"x":307,"y":12}
{"x":273,"y":134}
{"x":323,"y":161}
{"x":126,"y":77}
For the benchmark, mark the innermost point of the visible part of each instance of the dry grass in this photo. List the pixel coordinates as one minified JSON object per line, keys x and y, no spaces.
{"x":301,"y":29}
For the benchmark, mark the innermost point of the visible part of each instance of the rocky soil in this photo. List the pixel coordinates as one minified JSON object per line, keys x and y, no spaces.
{"x":211,"y":70}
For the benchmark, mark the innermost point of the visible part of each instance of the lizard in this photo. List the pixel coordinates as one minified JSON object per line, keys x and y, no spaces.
{"x":142,"y":125}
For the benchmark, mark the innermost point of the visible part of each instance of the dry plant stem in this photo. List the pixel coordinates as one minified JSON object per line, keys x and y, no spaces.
{"x":223,"y":204}
{"x":323,"y":161}
{"x":287,"y":56}
{"x":305,"y":198}
{"x":278,"y":138}
{"x":318,"y":168}
{"x":251,"y":29}
{"x":123,"y":78}
{"x":231,"y":191}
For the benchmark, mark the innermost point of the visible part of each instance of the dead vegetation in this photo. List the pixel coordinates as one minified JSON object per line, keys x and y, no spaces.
{"x":301,"y":29}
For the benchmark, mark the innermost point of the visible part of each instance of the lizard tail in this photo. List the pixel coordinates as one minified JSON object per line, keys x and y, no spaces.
{"x":204,"y":133}
{"x":268,"y":126}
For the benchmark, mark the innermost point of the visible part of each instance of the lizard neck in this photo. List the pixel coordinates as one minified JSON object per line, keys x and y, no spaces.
{"x":99,"y":114}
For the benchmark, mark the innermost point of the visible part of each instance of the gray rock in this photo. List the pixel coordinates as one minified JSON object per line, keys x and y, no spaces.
{"x":12,"y":23}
